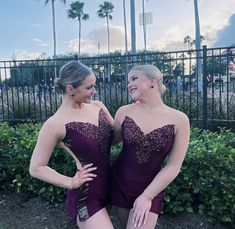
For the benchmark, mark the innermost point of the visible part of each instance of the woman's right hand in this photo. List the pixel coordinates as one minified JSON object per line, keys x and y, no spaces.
{"x":82,"y":175}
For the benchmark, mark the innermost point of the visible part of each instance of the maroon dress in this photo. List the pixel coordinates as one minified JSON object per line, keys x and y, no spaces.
{"x":90,"y":144}
{"x":139,"y":162}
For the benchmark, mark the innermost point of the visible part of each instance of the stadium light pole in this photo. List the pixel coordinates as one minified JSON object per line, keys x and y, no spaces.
{"x":133,"y":31}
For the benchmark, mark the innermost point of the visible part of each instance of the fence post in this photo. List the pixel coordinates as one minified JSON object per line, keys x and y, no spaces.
{"x":76,"y":57}
{"x":205,"y":109}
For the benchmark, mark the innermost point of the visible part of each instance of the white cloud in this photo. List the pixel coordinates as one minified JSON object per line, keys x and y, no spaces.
{"x":173,"y":39}
{"x":210,"y":34}
{"x":25,"y":55}
{"x":212,"y":20}
{"x":41,"y":43}
{"x":226,"y":35}
{"x":90,"y":43}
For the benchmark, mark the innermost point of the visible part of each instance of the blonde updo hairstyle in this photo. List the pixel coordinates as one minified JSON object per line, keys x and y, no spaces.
{"x":152,"y":72}
{"x":72,"y":73}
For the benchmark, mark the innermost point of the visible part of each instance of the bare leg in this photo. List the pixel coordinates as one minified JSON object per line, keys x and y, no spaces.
{"x":100,"y":219}
{"x":151,"y":222}
{"x":123,"y":214}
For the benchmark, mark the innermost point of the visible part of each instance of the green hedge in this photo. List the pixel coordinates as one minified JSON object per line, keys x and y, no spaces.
{"x":17,"y":145}
{"x":206,"y":184}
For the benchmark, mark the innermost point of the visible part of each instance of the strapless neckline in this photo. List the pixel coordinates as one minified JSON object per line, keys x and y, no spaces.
{"x":150,"y":132}
{"x":88,"y":123}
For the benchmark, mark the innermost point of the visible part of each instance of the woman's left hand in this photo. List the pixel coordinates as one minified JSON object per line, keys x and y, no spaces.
{"x":141,"y":209}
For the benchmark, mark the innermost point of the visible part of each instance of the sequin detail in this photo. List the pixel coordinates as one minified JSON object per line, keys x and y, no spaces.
{"x":154,"y":141}
{"x":83,"y":213}
{"x":100,"y":133}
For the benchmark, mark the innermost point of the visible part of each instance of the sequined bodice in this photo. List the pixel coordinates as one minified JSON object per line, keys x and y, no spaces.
{"x":142,"y":154}
{"x":155,"y":141}
{"x":90,"y":143}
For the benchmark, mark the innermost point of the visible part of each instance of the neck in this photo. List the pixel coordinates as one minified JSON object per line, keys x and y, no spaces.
{"x":151,"y":104}
{"x":68,"y":102}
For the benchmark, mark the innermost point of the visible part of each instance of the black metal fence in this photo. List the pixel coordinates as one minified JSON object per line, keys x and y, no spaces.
{"x":200,"y":83}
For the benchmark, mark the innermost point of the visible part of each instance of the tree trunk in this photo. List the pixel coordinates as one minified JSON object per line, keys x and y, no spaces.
{"x":125,"y":29}
{"x":54,"y":32}
{"x":108,"y":34}
{"x":198,"y":47}
{"x":79,"y":38}
{"x":133,"y":34}
{"x":144,"y":24}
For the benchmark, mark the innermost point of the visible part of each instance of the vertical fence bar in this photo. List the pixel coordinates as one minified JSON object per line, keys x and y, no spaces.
{"x":21,"y":77}
{"x":205,"y":118}
{"x":2,"y":95}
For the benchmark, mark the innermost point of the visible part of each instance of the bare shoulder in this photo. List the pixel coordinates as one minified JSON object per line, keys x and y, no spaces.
{"x":179,"y":114}
{"x":52,"y":120}
{"x":53,"y":127}
{"x":100,"y":105}
{"x":181,"y":120}
{"x":124,"y":111}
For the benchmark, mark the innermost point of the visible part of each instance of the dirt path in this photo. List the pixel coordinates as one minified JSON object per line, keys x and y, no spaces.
{"x":37,"y":214}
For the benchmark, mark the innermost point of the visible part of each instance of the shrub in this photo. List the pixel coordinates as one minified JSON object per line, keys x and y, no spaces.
{"x":17,"y":145}
{"x":206,"y":183}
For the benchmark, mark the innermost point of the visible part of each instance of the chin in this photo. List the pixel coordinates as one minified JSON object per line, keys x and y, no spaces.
{"x":88,"y":100}
{"x":134,"y":97}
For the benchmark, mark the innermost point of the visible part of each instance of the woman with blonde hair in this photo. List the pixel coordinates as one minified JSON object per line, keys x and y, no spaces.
{"x":150,"y":131}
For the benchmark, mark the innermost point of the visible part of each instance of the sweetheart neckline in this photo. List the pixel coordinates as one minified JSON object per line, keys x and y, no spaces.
{"x":87,"y":123}
{"x":152,"y":131}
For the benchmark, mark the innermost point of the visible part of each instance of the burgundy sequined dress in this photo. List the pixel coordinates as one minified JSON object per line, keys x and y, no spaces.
{"x":139,"y":162}
{"x":90,"y":144}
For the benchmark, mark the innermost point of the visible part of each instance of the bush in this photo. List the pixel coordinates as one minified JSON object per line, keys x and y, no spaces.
{"x":206,"y":184}
{"x":17,"y":144}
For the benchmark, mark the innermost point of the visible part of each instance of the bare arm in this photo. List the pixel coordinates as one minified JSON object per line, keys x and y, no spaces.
{"x":175,"y":160}
{"x":117,"y":126}
{"x":143,"y":203}
{"x":101,"y":105}
{"x":50,"y":134}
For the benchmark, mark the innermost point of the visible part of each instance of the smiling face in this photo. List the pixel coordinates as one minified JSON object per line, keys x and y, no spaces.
{"x":138,"y":84}
{"x":84,"y":92}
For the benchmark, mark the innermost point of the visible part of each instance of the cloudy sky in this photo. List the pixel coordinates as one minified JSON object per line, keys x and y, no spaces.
{"x":26,"y":26}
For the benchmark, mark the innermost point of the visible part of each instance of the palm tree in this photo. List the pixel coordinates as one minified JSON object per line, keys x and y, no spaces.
{"x":105,"y":11}
{"x":188,"y":41}
{"x":197,"y":26}
{"x":198,"y":46}
{"x":144,"y":24}
{"x":133,"y":32}
{"x":53,"y":20}
{"x":76,"y":11}
{"x":125,"y":29}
